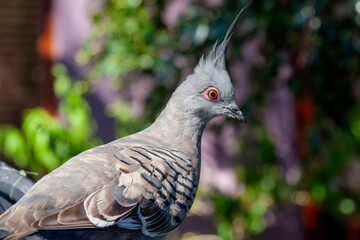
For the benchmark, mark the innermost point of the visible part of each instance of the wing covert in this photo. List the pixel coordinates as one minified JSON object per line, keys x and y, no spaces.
{"x":162,"y":182}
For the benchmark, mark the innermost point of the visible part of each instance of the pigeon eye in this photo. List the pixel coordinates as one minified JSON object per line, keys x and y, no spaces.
{"x":211,"y":94}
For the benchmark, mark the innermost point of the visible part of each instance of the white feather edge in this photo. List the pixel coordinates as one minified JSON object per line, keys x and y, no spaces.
{"x":110,"y":220}
{"x":96,"y":221}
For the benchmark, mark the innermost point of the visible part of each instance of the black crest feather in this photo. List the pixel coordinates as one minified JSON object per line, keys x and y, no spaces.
{"x":217,"y":54}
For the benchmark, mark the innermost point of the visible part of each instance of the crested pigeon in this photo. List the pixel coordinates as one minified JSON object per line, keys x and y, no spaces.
{"x":143,"y":182}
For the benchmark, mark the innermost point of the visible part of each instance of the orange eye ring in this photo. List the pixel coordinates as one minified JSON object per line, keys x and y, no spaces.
{"x":213,"y":94}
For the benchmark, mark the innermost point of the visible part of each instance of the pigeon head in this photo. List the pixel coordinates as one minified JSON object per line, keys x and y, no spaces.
{"x":208,"y":92}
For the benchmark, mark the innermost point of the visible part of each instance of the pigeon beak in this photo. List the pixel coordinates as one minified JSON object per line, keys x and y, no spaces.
{"x":233,"y":111}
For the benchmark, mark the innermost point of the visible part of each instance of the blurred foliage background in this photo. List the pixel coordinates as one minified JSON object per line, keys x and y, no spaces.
{"x":295,"y":68}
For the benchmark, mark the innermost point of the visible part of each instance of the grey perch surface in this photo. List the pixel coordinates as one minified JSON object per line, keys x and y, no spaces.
{"x":13,"y":186}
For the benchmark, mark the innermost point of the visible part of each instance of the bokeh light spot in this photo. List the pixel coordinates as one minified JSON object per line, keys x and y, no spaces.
{"x":146,"y":61}
{"x":301,"y":198}
{"x":315,"y":23}
{"x":347,"y":206}
{"x":357,"y":7}
{"x":267,"y":183}
{"x":307,"y":12}
{"x":318,"y":192}
{"x":355,"y":128}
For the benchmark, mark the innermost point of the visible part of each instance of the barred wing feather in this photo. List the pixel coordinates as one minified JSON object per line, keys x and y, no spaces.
{"x":163,"y":185}
{"x":154,"y":191}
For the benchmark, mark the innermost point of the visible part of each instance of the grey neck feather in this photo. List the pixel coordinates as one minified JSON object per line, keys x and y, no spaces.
{"x":179,"y":128}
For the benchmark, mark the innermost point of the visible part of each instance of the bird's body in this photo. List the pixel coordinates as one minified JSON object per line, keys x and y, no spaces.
{"x":146,"y":181}
{"x":137,"y":175}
